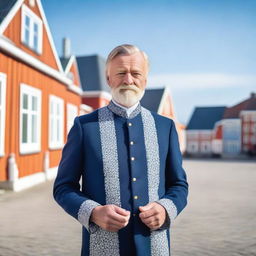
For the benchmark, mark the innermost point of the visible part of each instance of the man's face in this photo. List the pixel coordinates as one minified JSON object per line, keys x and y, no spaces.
{"x":127,"y":77}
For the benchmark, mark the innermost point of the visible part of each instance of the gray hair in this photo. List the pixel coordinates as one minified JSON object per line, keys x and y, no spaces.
{"x":125,"y":49}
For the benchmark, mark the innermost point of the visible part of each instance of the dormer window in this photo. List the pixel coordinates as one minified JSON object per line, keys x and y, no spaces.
{"x":31,"y":30}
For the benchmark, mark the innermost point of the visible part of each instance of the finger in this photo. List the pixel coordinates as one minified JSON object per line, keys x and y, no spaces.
{"x":145,"y":207}
{"x":121,"y":211}
{"x":149,"y":213}
{"x":119,"y":218}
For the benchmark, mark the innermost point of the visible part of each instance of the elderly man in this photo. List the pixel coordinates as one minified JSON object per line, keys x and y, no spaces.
{"x":133,"y":183}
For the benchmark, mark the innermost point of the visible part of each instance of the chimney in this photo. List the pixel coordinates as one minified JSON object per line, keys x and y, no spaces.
{"x":253,"y":95}
{"x":66,"y":48}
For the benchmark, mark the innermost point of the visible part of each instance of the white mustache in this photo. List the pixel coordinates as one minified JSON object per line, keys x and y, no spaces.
{"x":129,"y":87}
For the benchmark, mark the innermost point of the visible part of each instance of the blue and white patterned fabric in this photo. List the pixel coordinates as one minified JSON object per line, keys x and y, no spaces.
{"x":126,"y":161}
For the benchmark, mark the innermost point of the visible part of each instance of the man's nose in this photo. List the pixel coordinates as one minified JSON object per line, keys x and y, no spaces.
{"x":128,"y":79}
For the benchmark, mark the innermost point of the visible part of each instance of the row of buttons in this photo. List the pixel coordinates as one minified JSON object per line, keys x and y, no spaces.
{"x":132,"y":159}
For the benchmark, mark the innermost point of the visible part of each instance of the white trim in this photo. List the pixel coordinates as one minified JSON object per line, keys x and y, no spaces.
{"x":72,"y":112}
{"x":243,"y":112}
{"x":56,"y":101}
{"x":161,"y":105}
{"x":51,"y":173}
{"x":3,"y":112}
{"x":75,"y":88}
{"x":86,"y":108}
{"x":29,"y":181}
{"x":49,"y":35}
{"x":29,"y":147}
{"x":102,"y":94}
{"x":10,"y":16}
{"x":34,"y":19}
{"x":34,"y":62}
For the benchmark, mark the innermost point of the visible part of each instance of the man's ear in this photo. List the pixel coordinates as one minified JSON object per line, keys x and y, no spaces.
{"x":108,"y":80}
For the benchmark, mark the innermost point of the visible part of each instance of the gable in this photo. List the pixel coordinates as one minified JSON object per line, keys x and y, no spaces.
{"x":14,"y":31}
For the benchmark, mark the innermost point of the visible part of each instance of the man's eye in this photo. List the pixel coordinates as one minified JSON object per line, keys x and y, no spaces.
{"x":121,"y":73}
{"x":136,"y":74}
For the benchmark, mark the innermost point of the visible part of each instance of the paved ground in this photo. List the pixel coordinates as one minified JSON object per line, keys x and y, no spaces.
{"x":220,"y":219}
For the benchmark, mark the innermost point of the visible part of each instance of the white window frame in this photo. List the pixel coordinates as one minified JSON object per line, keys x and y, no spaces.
{"x":72,"y":112}
{"x":34,"y":19}
{"x":2,"y":110}
{"x":56,"y":143}
{"x":30,"y":147}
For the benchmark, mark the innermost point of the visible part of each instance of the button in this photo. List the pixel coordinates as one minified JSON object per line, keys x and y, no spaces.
{"x":134,"y":179}
{"x":134,"y":215}
{"x":131,"y":142}
{"x":129,"y":124}
{"x":132,"y":158}
{"x":135,"y":197}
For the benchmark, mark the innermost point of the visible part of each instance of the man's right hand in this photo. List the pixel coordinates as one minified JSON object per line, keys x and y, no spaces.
{"x":110,"y":217}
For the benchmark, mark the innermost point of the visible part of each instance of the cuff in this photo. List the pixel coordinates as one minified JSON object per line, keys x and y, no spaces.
{"x":84,"y":215}
{"x":171,"y":211}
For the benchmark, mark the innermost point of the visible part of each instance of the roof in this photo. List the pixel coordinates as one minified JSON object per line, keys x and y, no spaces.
{"x":92,"y":73}
{"x":5,"y":7}
{"x":152,"y":99}
{"x":204,"y":118}
{"x":233,"y":112}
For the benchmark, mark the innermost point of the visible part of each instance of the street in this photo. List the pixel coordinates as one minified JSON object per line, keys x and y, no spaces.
{"x":220,"y":219}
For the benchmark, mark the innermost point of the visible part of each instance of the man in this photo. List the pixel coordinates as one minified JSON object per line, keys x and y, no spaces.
{"x":133,"y":183}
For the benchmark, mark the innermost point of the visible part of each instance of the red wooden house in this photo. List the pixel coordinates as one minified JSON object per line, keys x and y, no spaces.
{"x":38,"y":99}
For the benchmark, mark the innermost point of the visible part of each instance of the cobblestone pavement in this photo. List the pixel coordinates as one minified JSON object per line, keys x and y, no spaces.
{"x":220,"y":219}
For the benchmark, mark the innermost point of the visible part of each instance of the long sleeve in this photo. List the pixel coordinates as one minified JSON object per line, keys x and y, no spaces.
{"x":175,"y":198}
{"x":66,"y":189}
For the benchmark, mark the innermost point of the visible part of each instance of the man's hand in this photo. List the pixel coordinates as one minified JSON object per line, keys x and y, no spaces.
{"x":153,"y":215}
{"x":110,"y":217}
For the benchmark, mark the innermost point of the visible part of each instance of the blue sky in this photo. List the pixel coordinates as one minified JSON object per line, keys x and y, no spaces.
{"x":203,"y":50}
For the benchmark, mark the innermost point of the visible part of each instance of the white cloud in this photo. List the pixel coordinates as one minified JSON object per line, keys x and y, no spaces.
{"x":201,"y":80}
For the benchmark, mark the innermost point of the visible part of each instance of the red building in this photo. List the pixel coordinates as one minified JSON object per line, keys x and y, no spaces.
{"x":38,"y":100}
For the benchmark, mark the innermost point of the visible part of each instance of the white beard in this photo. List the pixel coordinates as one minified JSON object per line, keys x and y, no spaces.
{"x":127,"y":95}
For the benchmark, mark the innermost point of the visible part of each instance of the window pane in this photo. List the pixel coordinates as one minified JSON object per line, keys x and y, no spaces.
{"x":27,"y":36}
{"x":1,"y":126}
{"x":34,"y":103}
{"x":35,"y":41}
{"x":35,"y":46}
{"x":24,"y":128}
{"x":52,"y":126}
{"x":58,"y":130}
{"x":52,"y":108}
{"x":0,"y":94}
{"x":25,"y":101}
{"x":34,"y":128}
{"x":35,"y":28}
{"x":27,"y":32}
{"x":58,"y":109}
{"x":27,"y":21}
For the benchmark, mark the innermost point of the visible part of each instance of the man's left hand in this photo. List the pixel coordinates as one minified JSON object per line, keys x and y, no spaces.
{"x":153,"y":215}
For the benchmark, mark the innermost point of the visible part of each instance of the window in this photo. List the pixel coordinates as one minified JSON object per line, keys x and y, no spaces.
{"x":56,"y":122}
{"x":205,"y":147}
{"x":246,"y":128}
{"x":30,"y":119}
{"x":31,"y":31}
{"x":72,"y":111}
{"x":2,"y":111}
{"x":246,"y":139}
{"x":192,"y":147}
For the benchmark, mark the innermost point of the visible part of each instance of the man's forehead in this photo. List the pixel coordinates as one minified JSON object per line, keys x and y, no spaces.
{"x":135,"y":59}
